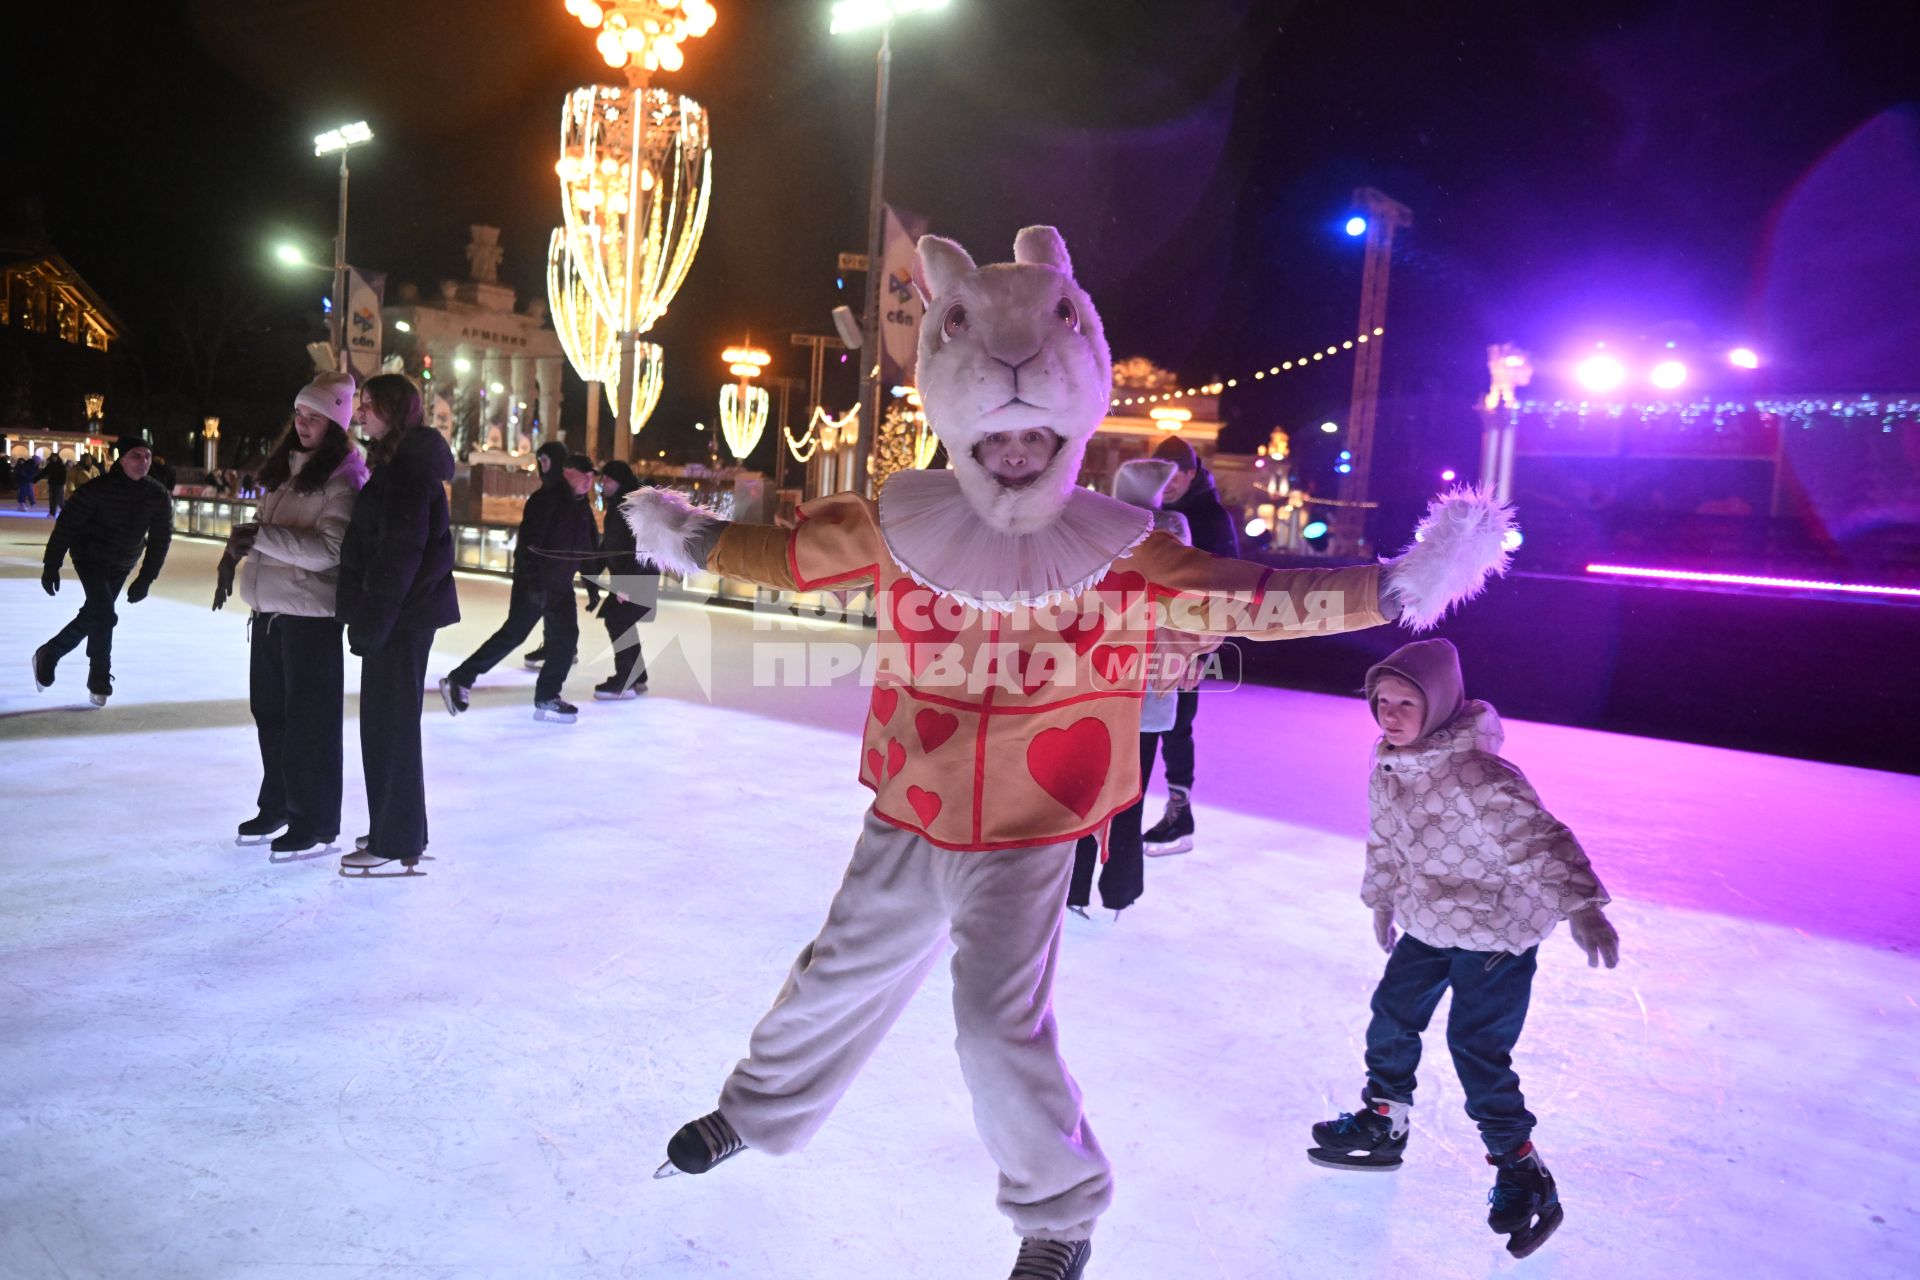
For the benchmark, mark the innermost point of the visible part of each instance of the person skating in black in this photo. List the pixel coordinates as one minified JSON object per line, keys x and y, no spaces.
{"x":55,"y":474}
{"x":557,"y":539}
{"x":105,"y":528}
{"x":1192,"y":495}
{"x":633,"y":590}
{"x":396,"y":589}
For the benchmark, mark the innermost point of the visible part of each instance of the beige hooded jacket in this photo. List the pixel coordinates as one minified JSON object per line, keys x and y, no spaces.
{"x":1459,"y":845}
{"x":294,"y":567}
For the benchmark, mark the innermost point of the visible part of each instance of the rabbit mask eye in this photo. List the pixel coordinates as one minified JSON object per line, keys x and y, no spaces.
{"x":1068,"y":313}
{"x":955,"y":321}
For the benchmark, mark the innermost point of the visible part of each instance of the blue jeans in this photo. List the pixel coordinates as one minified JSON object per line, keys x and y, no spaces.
{"x":1490,"y":994}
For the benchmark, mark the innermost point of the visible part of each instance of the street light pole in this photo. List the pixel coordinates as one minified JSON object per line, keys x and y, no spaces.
{"x":342,"y":140}
{"x":1384,"y":216}
{"x":870,"y":320}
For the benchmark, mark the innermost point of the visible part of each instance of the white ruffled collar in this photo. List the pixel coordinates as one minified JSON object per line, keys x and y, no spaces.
{"x":944,"y":544}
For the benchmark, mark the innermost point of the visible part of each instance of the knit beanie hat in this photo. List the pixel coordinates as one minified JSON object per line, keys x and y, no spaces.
{"x":621,"y":474}
{"x":133,"y":441}
{"x":1433,"y":666}
{"x":578,"y":462}
{"x":549,"y":458}
{"x":330,"y":395}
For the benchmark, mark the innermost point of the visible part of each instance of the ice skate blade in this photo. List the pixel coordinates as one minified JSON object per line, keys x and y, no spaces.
{"x":97,"y":699}
{"x":1183,"y":845}
{"x":1335,"y":1160}
{"x":371,"y":873}
{"x":620,"y":696}
{"x":305,"y":855}
{"x":249,"y":842}
{"x":553,"y":717}
{"x":666,"y":1170}
{"x":1522,"y":1243}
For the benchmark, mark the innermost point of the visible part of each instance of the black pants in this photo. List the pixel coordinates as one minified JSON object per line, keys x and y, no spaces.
{"x":1491,"y":990}
{"x":622,"y":623}
{"x":295,"y":687}
{"x":1177,"y":742}
{"x":56,"y":495}
{"x":530,"y":605}
{"x":94,"y":622}
{"x":1123,"y":879}
{"x":392,"y":680}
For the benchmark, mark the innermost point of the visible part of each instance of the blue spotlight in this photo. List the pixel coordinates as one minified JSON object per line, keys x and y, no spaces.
{"x":1316,"y":529}
{"x":1356,"y":225}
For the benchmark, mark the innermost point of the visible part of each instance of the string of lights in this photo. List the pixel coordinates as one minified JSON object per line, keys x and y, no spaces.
{"x":1803,"y":412}
{"x":1274,"y":371}
{"x":823,"y":431}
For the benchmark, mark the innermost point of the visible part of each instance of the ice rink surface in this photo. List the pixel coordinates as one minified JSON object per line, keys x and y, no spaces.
{"x":213,"y":1066}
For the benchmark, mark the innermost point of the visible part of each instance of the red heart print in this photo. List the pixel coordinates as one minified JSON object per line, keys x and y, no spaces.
{"x":885,"y":699}
{"x":1084,"y":632}
{"x":896,"y":757}
{"x":916,"y":614}
{"x":873,"y":765}
{"x":1034,"y":668}
{"x":935,"y":728}
{"x":925,"y":803}
{"x":1071,"y":764}
{"x":1114,"y":662}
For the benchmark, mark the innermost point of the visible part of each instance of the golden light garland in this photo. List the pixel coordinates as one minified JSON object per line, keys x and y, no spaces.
{"x":824,"y":432}
{"x":636,"y":175}
{"x":743,"y":407}
{"x":1285,"y":366}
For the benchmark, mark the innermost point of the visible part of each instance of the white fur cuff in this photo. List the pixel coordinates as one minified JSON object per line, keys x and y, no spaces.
{"x":1463,"y":540}
{"x":668,"y":530}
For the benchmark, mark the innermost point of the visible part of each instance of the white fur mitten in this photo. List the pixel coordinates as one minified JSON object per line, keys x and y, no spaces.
{"x":670,"y":531}
{"x":1462,"y":541}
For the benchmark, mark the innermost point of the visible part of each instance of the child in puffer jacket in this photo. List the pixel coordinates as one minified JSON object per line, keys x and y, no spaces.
{"x":1478,"y":873}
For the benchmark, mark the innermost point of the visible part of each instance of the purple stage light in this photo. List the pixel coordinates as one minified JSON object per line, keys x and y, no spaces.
{"x":1600,"y":373}
{"x":1447,"y":475}
{"x":1753,"y":580}
{"x":1743,"y":358}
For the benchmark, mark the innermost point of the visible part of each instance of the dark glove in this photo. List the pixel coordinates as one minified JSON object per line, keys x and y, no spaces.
{"x":240,"y":539}
{"x":593,"y":593}
{"x":138,"y":591}
{"x":50,"y":579}
{"x":223,"y":586}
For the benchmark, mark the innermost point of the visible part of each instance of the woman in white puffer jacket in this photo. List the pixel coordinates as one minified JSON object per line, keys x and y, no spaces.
{"x":288,"y":564}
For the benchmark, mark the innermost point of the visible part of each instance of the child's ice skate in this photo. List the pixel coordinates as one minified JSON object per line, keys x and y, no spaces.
{"x":700,"y":1145}
{"x":1525,"y":1206}
{"x":1174,"y":832}
{"x":1051,"y":1259}
{"x":1373,"y":1138}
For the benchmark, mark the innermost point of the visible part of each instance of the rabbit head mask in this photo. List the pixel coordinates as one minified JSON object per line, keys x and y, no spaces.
{"x":1008,"y":348}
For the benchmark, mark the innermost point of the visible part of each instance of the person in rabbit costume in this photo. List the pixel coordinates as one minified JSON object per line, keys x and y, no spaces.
{"x":1015,"y":614}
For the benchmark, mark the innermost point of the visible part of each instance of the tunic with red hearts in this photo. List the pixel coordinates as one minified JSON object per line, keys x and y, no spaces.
{"x":996,"y":729}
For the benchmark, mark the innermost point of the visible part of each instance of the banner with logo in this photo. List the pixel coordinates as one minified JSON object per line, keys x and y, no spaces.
{"x":365,"y":293}
{"x":900,"y":307}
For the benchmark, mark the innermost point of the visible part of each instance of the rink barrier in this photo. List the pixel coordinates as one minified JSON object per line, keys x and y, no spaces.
{"x":489,"y":549}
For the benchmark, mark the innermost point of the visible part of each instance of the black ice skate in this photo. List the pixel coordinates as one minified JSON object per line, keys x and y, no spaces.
{"x":99,"y":688}
{"x":455,"y":695}
{"x":1374,"y":1138}
{"x":1051,"y":1259}
{"x":258,"y":829}
{"x":1525,"y":1206}
{"x":556,"y":711}
{"x":360,"y":844}
{"x":43,"y":661}
{"x":700,"y":1145}
{"x":298,"y":841}
{"x":534,"y":659}
{"x":614,"y":689}
{"x":1174,"y":832}
{"x":365,"y":864}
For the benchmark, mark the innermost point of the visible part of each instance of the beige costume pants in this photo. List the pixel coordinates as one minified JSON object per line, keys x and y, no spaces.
{"x":901,"y":900}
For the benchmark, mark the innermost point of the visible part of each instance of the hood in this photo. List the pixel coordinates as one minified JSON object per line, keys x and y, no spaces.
{"x":1432,"y":665}
{"x":622,"y":476}
{"x":354,"y":467}
{"x":1201,"y":491}
{"x":1141,"y":483}
{"x":1008,"y":347}
{"x":428,"y":450}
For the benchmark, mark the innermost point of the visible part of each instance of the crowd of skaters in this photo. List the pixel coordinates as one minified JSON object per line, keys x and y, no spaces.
{"x":351,"y":545}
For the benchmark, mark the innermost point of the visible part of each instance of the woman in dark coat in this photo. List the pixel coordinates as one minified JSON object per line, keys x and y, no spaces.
{"x":396,"y":590}
{"x":633,"y":595}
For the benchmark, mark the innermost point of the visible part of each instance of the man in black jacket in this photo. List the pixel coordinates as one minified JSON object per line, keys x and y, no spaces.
{"x":556,"y":539}
{"x":55,"y":474}
{"x":105,"y":527}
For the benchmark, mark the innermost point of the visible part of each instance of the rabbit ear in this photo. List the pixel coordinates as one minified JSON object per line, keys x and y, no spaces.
{"x":938,"y":264}
{"x":1042,"y":247}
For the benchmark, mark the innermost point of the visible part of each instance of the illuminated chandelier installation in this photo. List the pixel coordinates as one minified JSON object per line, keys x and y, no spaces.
{"x":635,"y":173}
{"x":743,"y":406}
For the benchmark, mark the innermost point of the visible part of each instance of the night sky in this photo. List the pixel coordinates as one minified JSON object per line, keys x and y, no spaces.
{"x":1703,"y":172}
